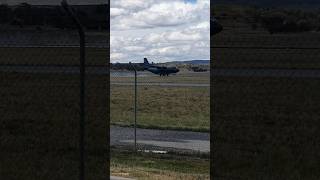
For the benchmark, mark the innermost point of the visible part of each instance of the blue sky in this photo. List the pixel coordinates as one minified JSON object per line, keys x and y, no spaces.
{"x":161,"y":30}
{"x":192,"y":1}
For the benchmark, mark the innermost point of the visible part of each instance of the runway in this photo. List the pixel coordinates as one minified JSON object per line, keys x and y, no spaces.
{"x":151,"y":139}
{"x":161,"y":84}
{"x":217,"y":72}
{"x":266,"y":72}
{"x":53,"y":69}
{"x":119,"y":178}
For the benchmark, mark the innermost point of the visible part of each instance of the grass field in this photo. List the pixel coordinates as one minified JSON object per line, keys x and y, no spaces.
{"x":184,"y":108}
{"x":40,"y":125}
{"x":238,"y":45}
{"x":266,"y":128}
{"x":181,"y":77}
{"x":181,"y":108}
{"x":145,"y":166}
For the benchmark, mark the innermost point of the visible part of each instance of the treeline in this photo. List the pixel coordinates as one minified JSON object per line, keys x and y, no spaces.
{"x":274,"y":20}
{"x":273,"y":3}
{"x":93,"y":17}
{"x":284,"y":20}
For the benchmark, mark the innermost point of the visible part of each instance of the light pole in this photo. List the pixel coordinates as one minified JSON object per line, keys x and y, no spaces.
{"x":82,"y":87}
{"x":135,"y":106}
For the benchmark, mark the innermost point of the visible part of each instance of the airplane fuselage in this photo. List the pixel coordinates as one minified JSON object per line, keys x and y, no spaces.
{"x":162,"y":71}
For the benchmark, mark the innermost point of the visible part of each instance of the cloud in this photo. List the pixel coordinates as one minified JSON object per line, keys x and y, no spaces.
{"x":133,"y":5}
{"x":117,"y":12}
{"x":152,"y":14}
{"x":134,"y":48}
{"x":117,"y":57}
{"x":164,"y":30}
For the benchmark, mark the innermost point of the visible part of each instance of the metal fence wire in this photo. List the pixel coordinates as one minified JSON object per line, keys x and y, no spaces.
{"x":40,"y":89}
{"x":265,"y":96}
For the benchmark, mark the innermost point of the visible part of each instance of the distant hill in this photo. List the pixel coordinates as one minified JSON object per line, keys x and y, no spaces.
{"x":192,"y":62}
{"x":273,"y":3}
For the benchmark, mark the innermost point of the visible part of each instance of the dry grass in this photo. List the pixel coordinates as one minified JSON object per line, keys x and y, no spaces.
{"x":151,"y":166}
{"x":183,"y":77}
{"x":185,"y":108}
{"x":238,"y":34}
{"x":154,"y":174}
{"x":39,"y":126}
{"x":265,"y":128}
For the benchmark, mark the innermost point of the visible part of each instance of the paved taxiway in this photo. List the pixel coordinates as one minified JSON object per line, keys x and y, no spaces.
{"x":151,"y":139}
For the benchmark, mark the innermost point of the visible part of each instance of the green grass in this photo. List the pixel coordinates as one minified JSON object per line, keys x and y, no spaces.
{"x":180,"y":108}
{"x":156,"y":166}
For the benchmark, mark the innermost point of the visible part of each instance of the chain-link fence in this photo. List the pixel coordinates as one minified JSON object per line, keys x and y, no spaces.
{"x":40,"y":91}
{"x":265,"y":96}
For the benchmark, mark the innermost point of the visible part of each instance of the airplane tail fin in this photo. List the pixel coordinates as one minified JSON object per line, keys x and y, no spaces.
{"x":146,"y":62}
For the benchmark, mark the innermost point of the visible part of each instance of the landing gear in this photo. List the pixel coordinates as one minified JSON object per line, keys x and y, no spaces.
{"x":164,"y":74}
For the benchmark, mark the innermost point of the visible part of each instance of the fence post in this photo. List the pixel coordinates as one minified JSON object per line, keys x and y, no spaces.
{"x":82,"y":86}
{"x":135,"y":107}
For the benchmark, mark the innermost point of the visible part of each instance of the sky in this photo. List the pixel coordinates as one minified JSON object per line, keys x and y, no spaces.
{"x":161,"y":30}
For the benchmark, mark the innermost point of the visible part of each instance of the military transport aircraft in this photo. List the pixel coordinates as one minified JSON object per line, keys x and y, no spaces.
{"x":162,"y":71}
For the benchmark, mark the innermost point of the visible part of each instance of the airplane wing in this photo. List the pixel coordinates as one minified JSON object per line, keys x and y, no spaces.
{"x":161,"y":68}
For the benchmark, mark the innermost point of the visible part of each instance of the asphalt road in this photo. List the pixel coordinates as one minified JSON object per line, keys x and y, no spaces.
{"x":150,"y":139}
{"x":119,"y":178}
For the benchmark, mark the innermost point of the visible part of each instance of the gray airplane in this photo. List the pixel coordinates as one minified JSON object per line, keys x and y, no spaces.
{"x":162,"y":71}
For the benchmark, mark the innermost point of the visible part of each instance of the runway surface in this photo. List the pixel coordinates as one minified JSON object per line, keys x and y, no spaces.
{"x":151,"y":139}
{"x":53,"y":69}
{"x":119,"y":178}
{"x":266,"y":72}
{"x":161,"y":84}
{"x":218,"y":72}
